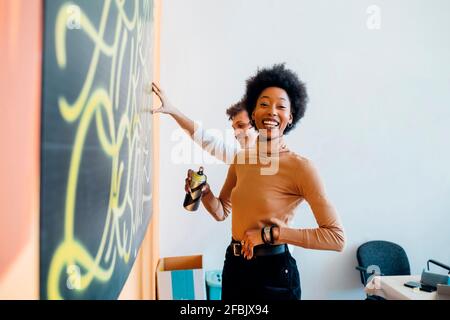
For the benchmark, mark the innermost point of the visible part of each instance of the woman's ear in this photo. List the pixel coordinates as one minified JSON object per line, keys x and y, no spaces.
{"x":291,"y":118}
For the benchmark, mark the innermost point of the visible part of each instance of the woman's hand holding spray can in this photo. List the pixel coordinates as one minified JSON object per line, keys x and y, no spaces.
{"x":195,"y":185}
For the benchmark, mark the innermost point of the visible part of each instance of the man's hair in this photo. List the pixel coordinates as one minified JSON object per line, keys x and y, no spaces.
{"x":277,"y":76}
{"x":235,"y":109}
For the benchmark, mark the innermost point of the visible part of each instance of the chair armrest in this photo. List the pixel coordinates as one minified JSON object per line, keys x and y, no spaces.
{"x":361,"y":269}
{"x":365,"y":270}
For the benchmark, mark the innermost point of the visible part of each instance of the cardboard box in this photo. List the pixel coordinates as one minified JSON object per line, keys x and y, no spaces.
{"x":181,"y":278}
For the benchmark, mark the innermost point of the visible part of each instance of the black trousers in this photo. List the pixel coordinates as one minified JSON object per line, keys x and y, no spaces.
{"x":273,"y":277}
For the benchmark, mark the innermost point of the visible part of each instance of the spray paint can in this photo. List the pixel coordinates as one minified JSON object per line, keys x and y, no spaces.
{"x":192,"y":199}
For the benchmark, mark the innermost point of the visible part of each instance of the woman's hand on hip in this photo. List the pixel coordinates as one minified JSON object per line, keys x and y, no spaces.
{"x":252,"y":238}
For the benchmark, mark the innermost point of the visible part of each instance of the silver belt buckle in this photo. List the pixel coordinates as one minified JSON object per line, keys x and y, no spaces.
{"x":236,"y":249}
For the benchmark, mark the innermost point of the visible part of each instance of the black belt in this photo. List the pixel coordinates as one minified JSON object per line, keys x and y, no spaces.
{"x":260,"y":250}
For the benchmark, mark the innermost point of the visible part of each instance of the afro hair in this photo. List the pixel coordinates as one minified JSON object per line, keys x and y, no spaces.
{"x":280,"y":77}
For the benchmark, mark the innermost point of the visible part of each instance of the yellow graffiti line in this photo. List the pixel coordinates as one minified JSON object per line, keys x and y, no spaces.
{"x":59,"y":261}
{"x":133,"y":143}
{"x":114,"y":57}
{"x":71,"y":112}
{"x":108,"y":147}
{"x":130,"y":24}
{"x":114,"y":209}
{"x":120,"y":208}
{"x":130,"y":79}
{"x":118,"y":213}
{"x":122,"y":53}
{"x":98,"y":97}
{"x":121,"y":56}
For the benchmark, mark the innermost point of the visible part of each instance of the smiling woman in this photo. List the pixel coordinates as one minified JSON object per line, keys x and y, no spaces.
{"x":258,"y":263}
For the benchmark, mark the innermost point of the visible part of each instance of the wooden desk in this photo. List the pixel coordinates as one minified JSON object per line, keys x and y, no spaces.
{"x":392,"y":288}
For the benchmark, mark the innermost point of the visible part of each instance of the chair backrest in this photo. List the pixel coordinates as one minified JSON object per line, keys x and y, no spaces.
{"x":388,"y":256}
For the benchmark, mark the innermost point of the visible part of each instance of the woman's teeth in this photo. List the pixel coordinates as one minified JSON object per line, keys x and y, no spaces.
{"x":270,"y":124}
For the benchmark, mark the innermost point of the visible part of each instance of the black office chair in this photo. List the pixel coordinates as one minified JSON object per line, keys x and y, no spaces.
{"x":381,"y":258}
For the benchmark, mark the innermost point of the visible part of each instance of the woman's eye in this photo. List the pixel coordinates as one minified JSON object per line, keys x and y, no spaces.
{"x":282,"y":107}
{"x":263,"y":104}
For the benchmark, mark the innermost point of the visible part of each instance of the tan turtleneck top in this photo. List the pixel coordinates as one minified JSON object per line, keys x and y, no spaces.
{"x":255,"y":198}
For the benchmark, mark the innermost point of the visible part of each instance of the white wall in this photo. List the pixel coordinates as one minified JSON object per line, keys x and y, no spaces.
{"x":377,"y":125}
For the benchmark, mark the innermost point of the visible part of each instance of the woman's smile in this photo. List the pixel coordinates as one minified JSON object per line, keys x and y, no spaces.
{"x":270,"y":123}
